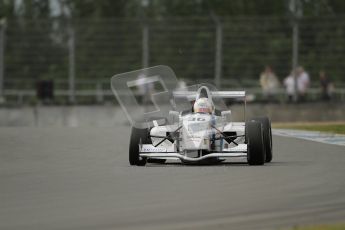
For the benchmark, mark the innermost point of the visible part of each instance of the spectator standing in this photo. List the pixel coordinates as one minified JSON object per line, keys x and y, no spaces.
{"x":45,"y":90}
{"x":269,"y":83}
{"x":146,"y":89}
{"x":326,"y":86}
{"x":303,"y":82}
{"x":289,"y":83}
{"x":181,"y":84}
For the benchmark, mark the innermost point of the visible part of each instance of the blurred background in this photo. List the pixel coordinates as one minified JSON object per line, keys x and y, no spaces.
{"x":57,"y":56}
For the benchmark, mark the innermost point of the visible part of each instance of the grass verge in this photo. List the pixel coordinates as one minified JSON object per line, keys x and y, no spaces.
{"x":329,"y":127}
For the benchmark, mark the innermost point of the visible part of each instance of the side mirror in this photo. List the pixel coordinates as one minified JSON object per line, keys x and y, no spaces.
{"x":226,"y":115}
{"x":173,"y":117}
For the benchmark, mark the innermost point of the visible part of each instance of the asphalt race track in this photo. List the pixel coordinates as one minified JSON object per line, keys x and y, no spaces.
{"x":79,"y":178}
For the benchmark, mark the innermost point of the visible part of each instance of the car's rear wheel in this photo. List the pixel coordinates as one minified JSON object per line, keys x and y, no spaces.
{"x":137,"y":136}
{"x":255,"y":143}
{"x":267,"y":132}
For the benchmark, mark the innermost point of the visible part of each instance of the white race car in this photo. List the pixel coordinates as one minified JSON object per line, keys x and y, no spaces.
{"x":204,"y":134}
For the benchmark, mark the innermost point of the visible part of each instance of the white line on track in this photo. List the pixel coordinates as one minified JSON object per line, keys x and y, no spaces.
{"x":329,"y":138}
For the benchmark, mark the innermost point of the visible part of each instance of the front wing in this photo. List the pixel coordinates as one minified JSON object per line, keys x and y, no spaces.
{"x":149,"y":151}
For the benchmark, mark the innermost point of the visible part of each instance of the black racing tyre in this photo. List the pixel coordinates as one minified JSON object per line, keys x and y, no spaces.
{"x":266,"y":125}
{"x":156,"y":161}
{"x":255,"y":143}
{"x":137,"y":136}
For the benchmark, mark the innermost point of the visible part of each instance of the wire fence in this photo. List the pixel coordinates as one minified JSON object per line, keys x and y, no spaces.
{"x":80,"y":56}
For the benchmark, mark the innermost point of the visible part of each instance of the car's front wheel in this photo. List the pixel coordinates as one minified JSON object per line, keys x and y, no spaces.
{"x":255,"y":143}
{"x":138,"y":136}
{"x":267,"y":132}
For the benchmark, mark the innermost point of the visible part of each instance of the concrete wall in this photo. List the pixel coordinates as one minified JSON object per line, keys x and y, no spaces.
{"x":109,"y":115}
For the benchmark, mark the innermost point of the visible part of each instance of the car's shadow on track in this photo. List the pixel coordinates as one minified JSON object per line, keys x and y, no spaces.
{"x":232,"y":164}
{"x":177,"y":164}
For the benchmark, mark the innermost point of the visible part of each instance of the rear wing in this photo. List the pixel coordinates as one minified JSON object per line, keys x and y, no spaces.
{"x":215,"y":94}
{"x":192,"y":95}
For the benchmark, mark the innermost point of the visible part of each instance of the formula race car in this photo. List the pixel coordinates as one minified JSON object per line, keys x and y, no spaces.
{"x":202,"y":132}
{"x":202,"y":136}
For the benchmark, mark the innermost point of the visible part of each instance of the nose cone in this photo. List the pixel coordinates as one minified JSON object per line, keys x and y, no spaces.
{"x":196,"y":132}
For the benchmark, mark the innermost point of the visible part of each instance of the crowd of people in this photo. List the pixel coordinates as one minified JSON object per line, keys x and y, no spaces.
{"x":298,"y":80}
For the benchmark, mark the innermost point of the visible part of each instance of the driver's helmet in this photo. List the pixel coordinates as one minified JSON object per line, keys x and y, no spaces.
{"x":203,"y":105}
